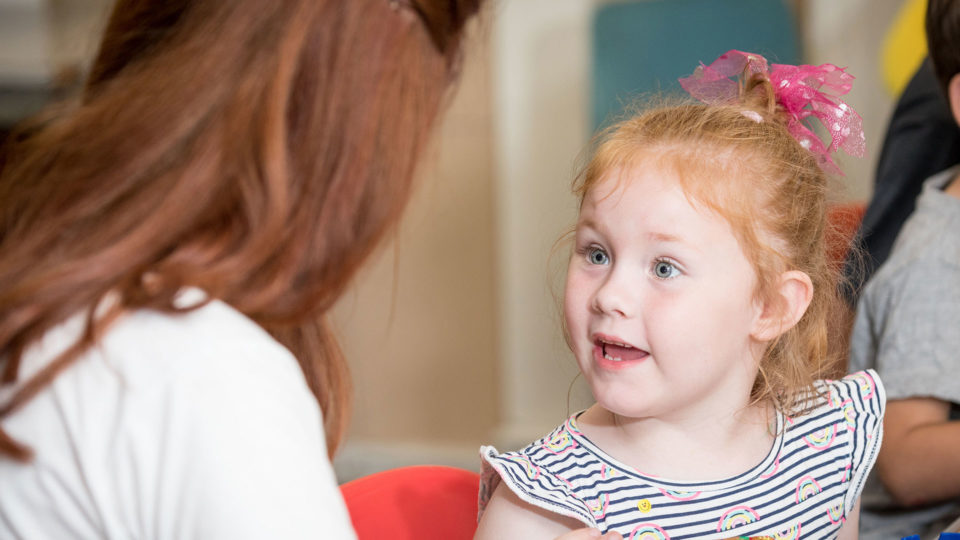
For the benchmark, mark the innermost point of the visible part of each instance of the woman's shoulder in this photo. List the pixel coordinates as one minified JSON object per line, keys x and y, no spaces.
{"x":211,"y":341}
{"x":147,"y":353}
{"x":202,"y":408}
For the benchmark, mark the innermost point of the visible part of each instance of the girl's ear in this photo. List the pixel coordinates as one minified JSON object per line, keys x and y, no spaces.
{"x":794,"y":293}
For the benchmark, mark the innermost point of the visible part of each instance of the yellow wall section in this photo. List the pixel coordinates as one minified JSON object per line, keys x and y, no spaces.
{"x":904,"y":46}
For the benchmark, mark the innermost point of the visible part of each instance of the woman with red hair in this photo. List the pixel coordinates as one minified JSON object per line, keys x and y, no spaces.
{"x":170,"y":246}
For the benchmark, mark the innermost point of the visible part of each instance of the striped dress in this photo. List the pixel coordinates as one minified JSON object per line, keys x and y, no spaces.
{"x":804,"y":488}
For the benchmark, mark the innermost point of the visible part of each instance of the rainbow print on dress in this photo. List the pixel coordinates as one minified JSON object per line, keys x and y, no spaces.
{"x":599,"y":508}
{"x":807,"y":487}
{"x":736,"y":517}
{"x":648,"y":531}
{"x":846,"y":474}
{"x":850,"y":415}
{"x":533,"y":471}
{"x":866,"y":384}
{"x":772,"y":470}
{"x":560,"y":444}
{"x":835,"y":513}
{"x":821,"y":439}
{"x":679,"y":495}
{"x":833,"y":398}
{"x":793,"y":533}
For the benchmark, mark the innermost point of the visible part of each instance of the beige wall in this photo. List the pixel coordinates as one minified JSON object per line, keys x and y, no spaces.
{"x":418,"y":326}
{"x":24,"y":48}
{"x":40,"y":39}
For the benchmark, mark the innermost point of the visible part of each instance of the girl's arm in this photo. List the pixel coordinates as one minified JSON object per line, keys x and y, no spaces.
{"x":507,"y":516}
{"x":850,"y":528}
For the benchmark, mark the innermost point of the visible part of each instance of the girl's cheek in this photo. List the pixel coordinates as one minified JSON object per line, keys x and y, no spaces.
{"x":577,"y":293}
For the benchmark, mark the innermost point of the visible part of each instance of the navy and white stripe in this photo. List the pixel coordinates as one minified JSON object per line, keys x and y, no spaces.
{"x":805,"y":487}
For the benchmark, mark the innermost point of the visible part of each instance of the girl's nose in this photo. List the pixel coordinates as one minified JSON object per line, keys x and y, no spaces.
{"x":613,"y":298}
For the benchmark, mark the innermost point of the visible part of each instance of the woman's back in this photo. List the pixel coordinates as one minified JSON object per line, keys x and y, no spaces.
{"x":160,"y":431}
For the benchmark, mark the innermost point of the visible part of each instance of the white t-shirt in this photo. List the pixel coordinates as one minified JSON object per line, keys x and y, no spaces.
{"x":174,"y":426}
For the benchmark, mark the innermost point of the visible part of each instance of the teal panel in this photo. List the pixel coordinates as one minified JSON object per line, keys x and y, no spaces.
{"x":644,"y":46}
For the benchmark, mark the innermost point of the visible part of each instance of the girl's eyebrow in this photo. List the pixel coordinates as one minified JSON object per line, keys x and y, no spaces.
{"x":586,"y":223}
{"x":666,"y":238}
{"x":655,"y":236}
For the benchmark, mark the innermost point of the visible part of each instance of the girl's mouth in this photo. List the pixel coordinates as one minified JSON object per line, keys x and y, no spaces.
{"x":612,"y":354}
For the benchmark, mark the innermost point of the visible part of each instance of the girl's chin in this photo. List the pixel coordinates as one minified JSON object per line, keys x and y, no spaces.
{"x":612,"y":402}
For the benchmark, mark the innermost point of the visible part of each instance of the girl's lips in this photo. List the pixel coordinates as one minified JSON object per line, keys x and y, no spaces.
{"x":615,"y":355}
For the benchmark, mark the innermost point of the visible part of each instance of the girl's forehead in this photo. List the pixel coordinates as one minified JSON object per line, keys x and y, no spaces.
{"x":713,"y":184}
{"x":654,"y":189}
{"x":644,"y":177}
{"x":639,"y":194}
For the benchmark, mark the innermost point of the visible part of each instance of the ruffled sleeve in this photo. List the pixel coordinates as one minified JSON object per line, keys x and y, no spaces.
{"x":530,"y":478}
{"x":863,"y":400}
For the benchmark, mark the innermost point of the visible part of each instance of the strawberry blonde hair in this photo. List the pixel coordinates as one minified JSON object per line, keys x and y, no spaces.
{"x":257,"y":149}
{"x":739,"y":161}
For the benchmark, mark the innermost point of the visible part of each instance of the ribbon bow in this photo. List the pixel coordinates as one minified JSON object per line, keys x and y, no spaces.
{"x":803,"y":91}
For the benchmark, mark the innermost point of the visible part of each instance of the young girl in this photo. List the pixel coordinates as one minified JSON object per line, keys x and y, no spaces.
{"x":697,"y":304}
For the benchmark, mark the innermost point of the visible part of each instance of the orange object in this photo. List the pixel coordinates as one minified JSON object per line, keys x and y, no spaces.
{"x":843,"y":221}
{"x":414,"y":503}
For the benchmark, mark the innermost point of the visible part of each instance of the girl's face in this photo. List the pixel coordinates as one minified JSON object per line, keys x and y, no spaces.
{"x":659,"y":301}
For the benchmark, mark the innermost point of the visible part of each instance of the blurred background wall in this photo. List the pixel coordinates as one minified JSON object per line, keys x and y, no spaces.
{"x":452,"y":331}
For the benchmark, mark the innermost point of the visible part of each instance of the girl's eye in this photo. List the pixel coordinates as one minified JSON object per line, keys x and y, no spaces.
{"x":597,"y":255}
{"x":665,"y":270}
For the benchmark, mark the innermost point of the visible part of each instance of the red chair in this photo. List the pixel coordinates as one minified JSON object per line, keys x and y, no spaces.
{"x":414,"y":503}
{"x":844,"y":220}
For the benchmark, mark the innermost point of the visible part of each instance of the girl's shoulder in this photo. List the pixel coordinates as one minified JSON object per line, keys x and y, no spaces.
{"x":861,"y":392}
{"x":543,"y":473}
{"x":844,"y":427}
{"x":851,"y":407}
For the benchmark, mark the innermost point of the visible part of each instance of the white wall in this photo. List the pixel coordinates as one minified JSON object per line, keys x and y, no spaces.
{"x":418,"y":325}
{"x":541,"y":123}
{"x":76,"y":27}
{"x":41,"y":38}
{"x":25,"y":57}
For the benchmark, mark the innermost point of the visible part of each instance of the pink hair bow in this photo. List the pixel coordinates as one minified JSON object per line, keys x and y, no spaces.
{"x":803,"y":91}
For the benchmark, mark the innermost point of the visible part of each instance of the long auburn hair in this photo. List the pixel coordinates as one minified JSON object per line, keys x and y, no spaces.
{"x":257,"y":149}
